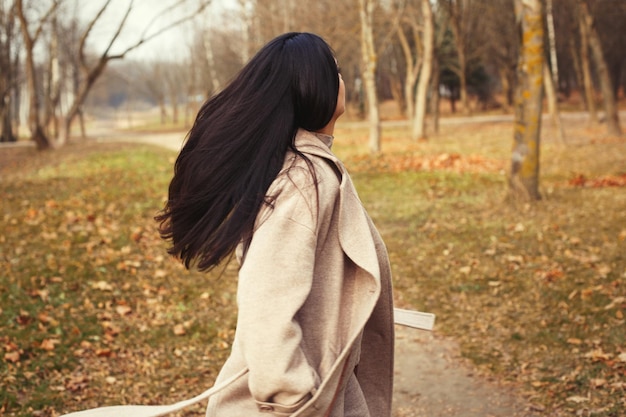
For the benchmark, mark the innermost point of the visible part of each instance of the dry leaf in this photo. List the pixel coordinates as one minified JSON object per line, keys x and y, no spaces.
{"x":179,"y":330}
{"x":577,"y":399}
{"x":102,"y":286}
{"x":49,"y":344}
{"x":123,"y":310}
{"x":598,"y":382}
{"x":597,"y":355}
{"x":12,"y":357}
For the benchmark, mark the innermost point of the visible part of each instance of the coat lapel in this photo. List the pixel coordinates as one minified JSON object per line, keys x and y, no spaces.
{"x":355,"y":234}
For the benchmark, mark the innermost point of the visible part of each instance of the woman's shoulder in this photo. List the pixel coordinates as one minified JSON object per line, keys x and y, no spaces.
{"x":305,"y":171}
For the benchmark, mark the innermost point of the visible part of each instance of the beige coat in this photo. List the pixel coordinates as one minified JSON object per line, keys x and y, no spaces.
{"x":315,"y":320}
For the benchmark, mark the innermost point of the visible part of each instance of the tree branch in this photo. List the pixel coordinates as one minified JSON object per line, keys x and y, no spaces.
{"x":203,"y":5}
{"x":83,"y":39}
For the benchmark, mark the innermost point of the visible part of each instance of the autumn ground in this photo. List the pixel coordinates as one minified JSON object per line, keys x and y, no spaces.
{"x":93,"y":312}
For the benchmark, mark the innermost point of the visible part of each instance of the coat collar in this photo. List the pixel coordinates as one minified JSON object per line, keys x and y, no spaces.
{"x":355,"y":234}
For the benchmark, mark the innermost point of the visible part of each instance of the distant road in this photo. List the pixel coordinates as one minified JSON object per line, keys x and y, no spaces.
{"x":102,"y":131}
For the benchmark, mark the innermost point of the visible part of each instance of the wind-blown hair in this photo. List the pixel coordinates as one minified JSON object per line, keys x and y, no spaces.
{"x":238,"y":142}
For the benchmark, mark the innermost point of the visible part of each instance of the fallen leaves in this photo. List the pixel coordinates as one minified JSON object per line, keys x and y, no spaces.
{"x":580,"y":180}
{"x":49,"y":344}
{"x":414,"y":161}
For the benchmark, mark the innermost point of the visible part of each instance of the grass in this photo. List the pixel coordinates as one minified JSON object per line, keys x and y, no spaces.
{"x":93,"y":311}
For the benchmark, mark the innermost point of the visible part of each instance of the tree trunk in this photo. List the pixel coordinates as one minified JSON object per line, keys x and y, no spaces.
{"x":7,"y":74}
{"x":53,"y":93}
{"x":434,"y":103}
{"x":586,"y":71}
{"x":83,"y":90}
{"x":524,"y":179}
{"x":208,"y":51}
{"x":369,"y":58}
{"x":428,"y":40}
{"x":606,"y":85}
{"x":6,"y":130}
{"x":554,"y":65}
{"x":553,"y":107}
{"x":506,"y":89}
{"x":162,"y":109}
{"x":174,"y":100}
{"x":34,"y":121}
{"x":578,"y":71}
{"x":457,"y":9}
{"x":412,"y":70}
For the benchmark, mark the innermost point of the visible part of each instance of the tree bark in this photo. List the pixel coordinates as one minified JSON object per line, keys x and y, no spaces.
{"x":585,"y":64}
{"x":421,"y":97}
{"x":606,"y":85}
{"x":524,"y":179}
{"x":7,"y":74}
{"x":435,"y":99}
{"x":369,"y":58}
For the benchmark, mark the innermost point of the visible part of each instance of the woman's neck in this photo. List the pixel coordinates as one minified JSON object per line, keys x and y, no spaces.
{"x":329,"y":129}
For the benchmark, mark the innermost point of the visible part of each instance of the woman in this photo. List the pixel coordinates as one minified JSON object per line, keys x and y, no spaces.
{"x":257,"y":176}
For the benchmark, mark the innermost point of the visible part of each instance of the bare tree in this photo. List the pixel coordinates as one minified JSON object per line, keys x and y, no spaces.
{"x":585,"y":66}
{"x":92,"y":71}
{"x":369,"y":60}
{"x":411,"y":45}
{"x":524,"y":179}
{"x":606,"y":84}
{"x":35,"y":124}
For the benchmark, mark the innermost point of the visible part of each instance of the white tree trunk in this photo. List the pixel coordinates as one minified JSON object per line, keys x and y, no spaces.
{"x":369,"y":58}
{"x":554,"y":68}
{"x":553,"y":109}
{"x":428,"y":40}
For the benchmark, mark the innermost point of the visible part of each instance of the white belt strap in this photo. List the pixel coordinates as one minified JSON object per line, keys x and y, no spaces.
{"x":154,"y":410}
{"x":415,"y":319}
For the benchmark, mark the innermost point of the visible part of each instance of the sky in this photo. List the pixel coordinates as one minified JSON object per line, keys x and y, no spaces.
{"x":172,"y":43}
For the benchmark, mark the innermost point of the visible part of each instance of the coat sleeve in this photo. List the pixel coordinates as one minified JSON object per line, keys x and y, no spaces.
{"x":275,"y":280}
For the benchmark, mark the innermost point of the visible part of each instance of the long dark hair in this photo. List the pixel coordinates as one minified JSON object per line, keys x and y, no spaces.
{"x":238,"y":143}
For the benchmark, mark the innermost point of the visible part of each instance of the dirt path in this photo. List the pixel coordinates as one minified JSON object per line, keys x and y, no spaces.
{"x":431,"y":380}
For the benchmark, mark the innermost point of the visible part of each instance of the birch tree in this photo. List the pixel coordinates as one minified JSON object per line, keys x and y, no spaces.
{"x":369,"y":60}
{"x":524,"y":177}
{"x":418,"y":130}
